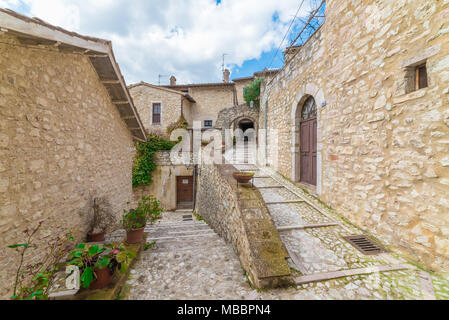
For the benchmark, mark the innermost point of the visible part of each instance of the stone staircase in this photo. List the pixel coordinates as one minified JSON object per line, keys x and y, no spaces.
{"x":183,"y":235}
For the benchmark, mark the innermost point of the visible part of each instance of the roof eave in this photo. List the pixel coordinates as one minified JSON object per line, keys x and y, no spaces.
{"x":98,"y":51}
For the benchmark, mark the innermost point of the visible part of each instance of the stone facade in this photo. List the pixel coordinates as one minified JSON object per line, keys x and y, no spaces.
{"x":62,"y":143}
{"x":382,"y":150}
{"x":210,"y":100}
{"x":145,"y":95}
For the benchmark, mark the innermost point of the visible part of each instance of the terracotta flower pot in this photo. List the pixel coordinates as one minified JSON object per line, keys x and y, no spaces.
{"x":104,"y":278}
{"x":243,"y":177}
{"x":96,"y":237}
{"x":134,"y":236}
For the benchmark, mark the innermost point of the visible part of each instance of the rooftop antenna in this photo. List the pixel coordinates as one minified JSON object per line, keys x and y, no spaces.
{"x":223,"y":64}
{"x":161,"y":76}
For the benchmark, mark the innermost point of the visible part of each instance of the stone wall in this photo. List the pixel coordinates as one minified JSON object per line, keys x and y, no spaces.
{"x":239,"y":215}
{"x":209,"y":102}
{"x":62,"y":143}
{"x":382,"y":151}
{"x":144,"y":96}
{"x":164,"y":182}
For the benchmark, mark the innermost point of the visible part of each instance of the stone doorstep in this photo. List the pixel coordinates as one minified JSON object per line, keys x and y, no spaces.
{"x":108,"y":293}
{"x":318,"y":277}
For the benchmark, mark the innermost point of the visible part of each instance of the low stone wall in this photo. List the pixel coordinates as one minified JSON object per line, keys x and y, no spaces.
{"x":239,"y":215}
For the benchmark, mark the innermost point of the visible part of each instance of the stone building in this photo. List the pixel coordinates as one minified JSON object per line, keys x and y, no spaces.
{"x":362,"y":118}
{"x":159,"y":107}
{"x":214,"y":105}
{"x":67,"y":125}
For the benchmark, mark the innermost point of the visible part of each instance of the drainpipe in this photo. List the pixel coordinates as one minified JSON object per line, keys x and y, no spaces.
{"x":195,"y":174}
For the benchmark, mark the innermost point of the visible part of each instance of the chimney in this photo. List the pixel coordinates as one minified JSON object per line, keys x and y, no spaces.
{"x":226,"y":75}
{"x":172,"y":81}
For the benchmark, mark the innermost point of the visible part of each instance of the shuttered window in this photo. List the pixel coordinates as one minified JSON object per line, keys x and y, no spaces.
{"x":421,"y":77}
{"x":156,"y":113}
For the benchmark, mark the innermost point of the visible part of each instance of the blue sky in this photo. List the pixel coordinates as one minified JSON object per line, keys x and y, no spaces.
{"x":184,"y":38}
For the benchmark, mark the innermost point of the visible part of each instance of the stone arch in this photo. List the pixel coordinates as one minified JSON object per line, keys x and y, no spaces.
{"x":317,"y":93}
{"x":227,"y":117}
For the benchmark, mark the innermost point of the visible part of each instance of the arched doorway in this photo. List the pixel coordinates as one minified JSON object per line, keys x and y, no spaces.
{"x":245,"y":125}
{"x":308,"y":142}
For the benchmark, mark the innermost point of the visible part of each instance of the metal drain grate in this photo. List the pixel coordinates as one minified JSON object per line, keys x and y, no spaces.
{"x":365,"y":245}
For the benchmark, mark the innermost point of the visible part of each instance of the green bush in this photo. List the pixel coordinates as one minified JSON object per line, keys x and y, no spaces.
{"x":252,"y":92}
{"x":145,"y":163}
{"x":148,"y":211}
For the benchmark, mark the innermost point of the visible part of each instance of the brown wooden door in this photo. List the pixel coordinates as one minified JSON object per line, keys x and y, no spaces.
{"x":308,"y":163}
{"x":184,"y":189}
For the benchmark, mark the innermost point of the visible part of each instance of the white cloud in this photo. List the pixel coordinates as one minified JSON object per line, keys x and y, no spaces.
{"x":181,"y":37}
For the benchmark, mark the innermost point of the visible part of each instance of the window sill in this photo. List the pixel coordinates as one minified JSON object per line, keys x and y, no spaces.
{"x":410,"y":96}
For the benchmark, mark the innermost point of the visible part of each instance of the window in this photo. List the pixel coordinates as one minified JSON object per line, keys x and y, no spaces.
{"x":421,"y":77}
{"x":208,"y":123}
{"x":156,"y":113}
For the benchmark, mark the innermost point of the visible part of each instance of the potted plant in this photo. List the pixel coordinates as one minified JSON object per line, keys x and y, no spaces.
{"x":243,"y":177}
{"x":102,"y":219}
{"x":134,"y":221}
{"x":98,"y":264}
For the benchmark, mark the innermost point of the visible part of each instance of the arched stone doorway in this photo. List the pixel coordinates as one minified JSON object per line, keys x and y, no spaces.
{"x":307,"y":132}
{"x":248,"y":127}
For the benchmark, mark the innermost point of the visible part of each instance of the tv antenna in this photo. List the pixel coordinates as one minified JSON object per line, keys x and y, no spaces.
{"x":162,"y":76}
{"x":223,"y":64}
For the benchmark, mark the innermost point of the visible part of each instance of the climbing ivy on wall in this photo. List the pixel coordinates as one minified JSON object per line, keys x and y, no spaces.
{"x":180,"y":124}
{"x":144,"y":163}
{"x":252,"y":92}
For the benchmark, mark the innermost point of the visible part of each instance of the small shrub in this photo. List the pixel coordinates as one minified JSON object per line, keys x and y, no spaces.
{"x":148,"y":211}
{"x":33,"y":281}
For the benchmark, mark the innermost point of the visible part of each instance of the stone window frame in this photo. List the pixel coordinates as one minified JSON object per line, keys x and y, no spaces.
{"x":407,"y":76}
{"x":151,"y":113}
{"x":411,"y":76}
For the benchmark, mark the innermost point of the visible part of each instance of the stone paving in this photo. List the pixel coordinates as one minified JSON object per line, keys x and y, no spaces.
{"x":191,"y":262}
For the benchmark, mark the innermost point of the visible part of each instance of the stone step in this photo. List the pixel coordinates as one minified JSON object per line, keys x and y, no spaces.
{"x":212,"y":234}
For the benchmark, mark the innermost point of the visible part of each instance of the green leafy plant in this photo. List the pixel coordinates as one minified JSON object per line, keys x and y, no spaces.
{"x":148,"y":246}
{"x":34,"y":281}
{"x":148,"y":211}
{"x":86,"y":257}
{"x":144,"y":163}
{"x":252,"y":92}
{"x":90,"y":257}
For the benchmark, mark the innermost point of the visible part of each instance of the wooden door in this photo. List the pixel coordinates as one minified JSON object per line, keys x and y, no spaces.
{"x":308,"y":140}
{"x":184,"y":189}
{"x":308,"y":151}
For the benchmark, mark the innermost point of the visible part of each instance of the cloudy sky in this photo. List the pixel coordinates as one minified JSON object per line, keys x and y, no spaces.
{"x":185,"y":38}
